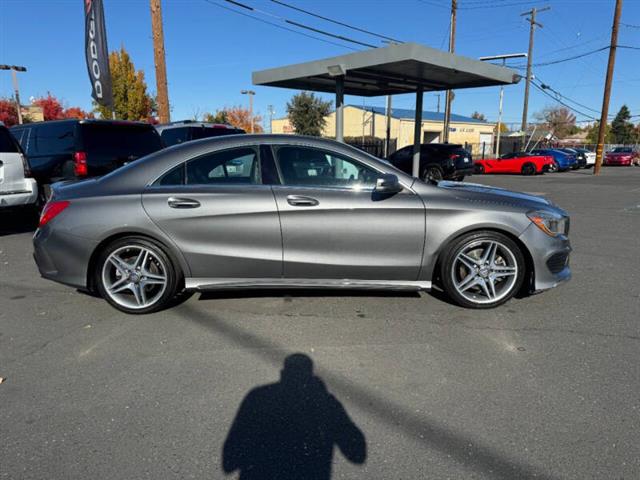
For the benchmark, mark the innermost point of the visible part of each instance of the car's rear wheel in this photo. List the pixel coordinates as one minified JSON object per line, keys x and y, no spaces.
{"x":135,"y":275}
{"x":482,"y":269}
{"x":528,"y":169}
{"x":433,"y":173}
{"x":458,"y":178}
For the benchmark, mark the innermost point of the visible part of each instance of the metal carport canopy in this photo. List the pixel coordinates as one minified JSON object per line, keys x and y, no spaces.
{"x":396,"y":69}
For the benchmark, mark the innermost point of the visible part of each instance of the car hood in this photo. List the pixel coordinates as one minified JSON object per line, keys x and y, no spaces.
{"x":496,"y":194}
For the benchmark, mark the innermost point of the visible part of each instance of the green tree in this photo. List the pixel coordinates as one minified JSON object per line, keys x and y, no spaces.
{"x":622,"y":128}
{"x":307,"y":113}
{"x":592,"y":135}
{"x":130,"y":98}
{"x":479,"y":116}
{"x":219,"y":117}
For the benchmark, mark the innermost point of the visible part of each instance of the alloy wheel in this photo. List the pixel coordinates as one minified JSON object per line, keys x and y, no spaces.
{"x":134,"y":276}
{"x":484,"y":271}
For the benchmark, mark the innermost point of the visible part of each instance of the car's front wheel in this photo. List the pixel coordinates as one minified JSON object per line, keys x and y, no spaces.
{"x":482,"y":269}
{"x":135,"y":275}
{"x":528,"y":169}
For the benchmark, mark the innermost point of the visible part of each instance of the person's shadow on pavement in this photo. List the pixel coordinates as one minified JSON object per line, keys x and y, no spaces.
{"x":287,"y":430}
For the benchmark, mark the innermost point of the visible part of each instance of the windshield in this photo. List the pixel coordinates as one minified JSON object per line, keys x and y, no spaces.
{"x":120,"y":140}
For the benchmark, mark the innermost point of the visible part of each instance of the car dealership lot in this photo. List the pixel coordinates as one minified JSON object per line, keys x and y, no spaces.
{"x":543,"y":387}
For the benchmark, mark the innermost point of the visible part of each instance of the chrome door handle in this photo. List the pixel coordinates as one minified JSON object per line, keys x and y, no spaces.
{"x":301,"y":201}
{"x":175,"y":202}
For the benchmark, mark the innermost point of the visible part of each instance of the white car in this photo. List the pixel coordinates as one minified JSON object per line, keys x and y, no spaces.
{"x":17,"y":188}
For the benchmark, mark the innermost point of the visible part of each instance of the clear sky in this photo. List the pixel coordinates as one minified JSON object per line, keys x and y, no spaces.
{"x":212,"y":51}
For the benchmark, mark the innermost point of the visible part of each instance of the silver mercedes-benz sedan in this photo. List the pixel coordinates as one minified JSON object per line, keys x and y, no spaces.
{"x":283,"y":211}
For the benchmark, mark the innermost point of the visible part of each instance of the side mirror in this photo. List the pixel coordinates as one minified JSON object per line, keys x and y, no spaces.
{"x":387,"y":183}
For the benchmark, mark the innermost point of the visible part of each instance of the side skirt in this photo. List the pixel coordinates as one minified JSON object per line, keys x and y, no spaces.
{"x":348,"y":284}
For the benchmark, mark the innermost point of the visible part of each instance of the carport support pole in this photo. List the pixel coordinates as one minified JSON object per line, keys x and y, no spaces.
{"x":340,"y":108}
{"x":417,"y":134}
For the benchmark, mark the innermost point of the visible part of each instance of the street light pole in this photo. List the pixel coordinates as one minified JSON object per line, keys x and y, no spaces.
{"x":251,"y":93}
{"x":504,"y":60}
{"x":14,"y":69}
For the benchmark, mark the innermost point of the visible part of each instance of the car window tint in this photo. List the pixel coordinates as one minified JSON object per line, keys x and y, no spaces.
{"x":238,"y":165}
{"x":175,"y":176}
{"x":172,"y":136}
{"x":311,"y":167}
{"x":7,"y":143}
{"x":55,"y":138}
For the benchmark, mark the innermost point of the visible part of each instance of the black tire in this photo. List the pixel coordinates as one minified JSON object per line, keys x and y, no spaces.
{"x":432,"y":172}
{"x":528,"y":169}
{"x":174,"y":278}
{"x":480,"y":169}
{"x":448,"y":263}
{"x":458,"y":178}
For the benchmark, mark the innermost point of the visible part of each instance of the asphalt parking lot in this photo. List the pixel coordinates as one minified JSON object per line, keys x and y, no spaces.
{"x":546,"y":386}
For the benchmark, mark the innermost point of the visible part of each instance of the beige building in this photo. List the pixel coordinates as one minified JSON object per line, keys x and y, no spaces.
{"x":371,"y":121}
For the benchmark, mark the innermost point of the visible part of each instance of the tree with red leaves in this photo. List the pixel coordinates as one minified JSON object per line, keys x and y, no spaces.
{"x":8,"y":112}
{"x":51,"y":107}
{"x":77,"y":113}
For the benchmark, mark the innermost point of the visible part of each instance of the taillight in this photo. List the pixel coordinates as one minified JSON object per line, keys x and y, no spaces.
{"x":453,"y":156}
{"x":80,"y":164}
{"x":25,"y":167}
{"x":52,"y":210}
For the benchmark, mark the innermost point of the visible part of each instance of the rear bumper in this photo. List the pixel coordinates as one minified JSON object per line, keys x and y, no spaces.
{"x":62,"y":257}
{"x":24,"y":193}
{"x":550,"y":256}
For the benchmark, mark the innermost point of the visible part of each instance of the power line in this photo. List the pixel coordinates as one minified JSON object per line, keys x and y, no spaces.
{"x":575,"y":57}
{"x":300,"y":25}
{"x":630,"y":25}
{"x":562,"y":103}
{"x":281,"y":27}
{"x":358,"y":29}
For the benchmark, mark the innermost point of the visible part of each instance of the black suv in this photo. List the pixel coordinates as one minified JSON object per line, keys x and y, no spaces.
{"x":187,"y":130}
{"x":67,"y":149}
{"x":438,"y":161}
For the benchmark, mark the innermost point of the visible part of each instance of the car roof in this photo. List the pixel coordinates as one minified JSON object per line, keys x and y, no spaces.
{"x":140,"y":172}
{"x":86,"y":121}
{"x":194,"y":123}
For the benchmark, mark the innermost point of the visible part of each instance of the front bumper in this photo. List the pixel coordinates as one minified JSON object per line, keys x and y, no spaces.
{"x":550,"y":256}
{"x":624,"y":162}
{"x":62,"y":257}
{"x":25,"y":193}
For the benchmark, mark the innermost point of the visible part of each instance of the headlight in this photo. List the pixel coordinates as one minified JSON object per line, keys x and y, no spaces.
{"x":551,"y":223}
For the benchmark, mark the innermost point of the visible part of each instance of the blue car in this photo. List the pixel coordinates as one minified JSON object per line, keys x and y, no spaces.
{"x":564,"y":161}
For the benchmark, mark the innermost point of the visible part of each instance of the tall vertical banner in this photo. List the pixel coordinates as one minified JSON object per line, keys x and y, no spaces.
{"x":97,"y":54}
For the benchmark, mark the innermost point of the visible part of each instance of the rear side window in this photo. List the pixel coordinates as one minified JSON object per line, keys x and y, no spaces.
{"x":237,"y":165}
{"x":173,"y":136}
{"x":114,"y":140}
{"x":55,"y":138}
{"x":175,"y":176}
{"x":7,"y":143}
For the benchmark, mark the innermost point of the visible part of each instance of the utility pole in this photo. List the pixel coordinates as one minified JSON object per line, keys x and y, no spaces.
{"x":438,"y":95}
{"x":532,"y":21}
{"x":251,"y":93}
{"x":387,"y":139}
{"x":159,"y":58}
{"x":607,"y":87}
{"x":14,"y":69}
{"x":452,"y":49}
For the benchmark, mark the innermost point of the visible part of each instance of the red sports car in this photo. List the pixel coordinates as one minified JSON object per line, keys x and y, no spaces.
{"x":516,"y":162}
{"x":622,"y":156}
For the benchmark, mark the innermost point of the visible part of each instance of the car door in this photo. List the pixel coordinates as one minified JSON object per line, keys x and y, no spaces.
{"x":12,"y":165}
{"x":334,"y":226}
{"x":220,"y":215}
